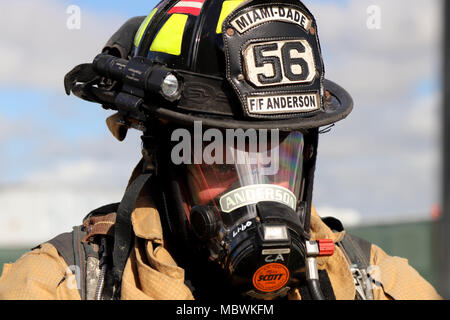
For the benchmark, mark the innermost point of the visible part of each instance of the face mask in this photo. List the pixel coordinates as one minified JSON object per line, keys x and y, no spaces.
{"x":250,"y":216}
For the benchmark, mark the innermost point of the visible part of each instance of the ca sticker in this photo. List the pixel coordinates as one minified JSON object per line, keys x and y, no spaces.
{"x":271,"y":277}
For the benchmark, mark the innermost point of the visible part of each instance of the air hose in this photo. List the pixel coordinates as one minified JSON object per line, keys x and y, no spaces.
{"x":312,"y":272}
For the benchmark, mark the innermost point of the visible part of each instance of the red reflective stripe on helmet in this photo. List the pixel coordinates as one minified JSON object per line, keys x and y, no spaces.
{"x":193,"y":7}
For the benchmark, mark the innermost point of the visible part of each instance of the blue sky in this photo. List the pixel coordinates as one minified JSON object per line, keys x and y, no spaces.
{"x":125,"y":8}
{"x":137,"y":7}
{"x":142,"y":7}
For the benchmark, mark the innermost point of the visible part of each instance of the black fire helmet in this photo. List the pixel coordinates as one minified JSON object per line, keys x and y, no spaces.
{"x":229,"y":64}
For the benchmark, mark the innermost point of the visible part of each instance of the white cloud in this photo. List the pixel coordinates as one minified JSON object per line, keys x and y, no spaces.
{"x":425,"y":118}
{"x":39,"y":49}
{"x":380,"y":64}
{"x":76,"y":174}
{"x":53,"y":200}
{"x":15,"y":128}
{"x":32,"y":215}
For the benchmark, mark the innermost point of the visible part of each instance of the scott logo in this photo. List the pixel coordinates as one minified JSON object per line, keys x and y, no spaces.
{"x":271,"y":277}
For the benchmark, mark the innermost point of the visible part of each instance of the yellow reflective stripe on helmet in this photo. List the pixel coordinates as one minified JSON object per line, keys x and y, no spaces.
{"x":227,"y":7}
{"x":170,"y":37}
{"x":143,"y":27}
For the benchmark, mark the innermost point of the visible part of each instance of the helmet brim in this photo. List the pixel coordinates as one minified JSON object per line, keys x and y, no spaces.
{"x":338,"y":105}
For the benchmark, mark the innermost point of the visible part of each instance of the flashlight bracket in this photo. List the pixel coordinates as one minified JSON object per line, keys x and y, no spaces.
{"x":139,"y":76}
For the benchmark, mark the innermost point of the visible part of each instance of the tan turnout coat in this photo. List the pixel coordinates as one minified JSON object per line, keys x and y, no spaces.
{"x":42,"y":274}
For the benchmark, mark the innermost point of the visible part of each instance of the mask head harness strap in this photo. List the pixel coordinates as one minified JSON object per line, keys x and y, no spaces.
{"x":123,"y":229}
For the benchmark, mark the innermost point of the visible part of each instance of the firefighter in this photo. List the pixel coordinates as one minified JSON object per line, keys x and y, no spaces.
{"x":231,"y":97}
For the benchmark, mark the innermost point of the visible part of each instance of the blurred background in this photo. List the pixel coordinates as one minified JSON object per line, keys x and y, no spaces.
{"x":379,"y":171}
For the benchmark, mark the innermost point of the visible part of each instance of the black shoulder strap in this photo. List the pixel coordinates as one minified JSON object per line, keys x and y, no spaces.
{"x":72,"y":250}
{"x":75,"y":252}
{"x":80,"y":259}
{"x":123,"y":230}
{"x":64,"y":245}
{"x":358,"y":250}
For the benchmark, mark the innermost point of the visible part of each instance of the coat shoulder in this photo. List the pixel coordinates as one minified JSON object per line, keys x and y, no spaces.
{"x":41,"y":274}
{"x":397,"y":279}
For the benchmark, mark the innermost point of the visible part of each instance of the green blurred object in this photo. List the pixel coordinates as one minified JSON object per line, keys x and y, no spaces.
{"x":11,"y":255}
{"x":413,"y":241}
